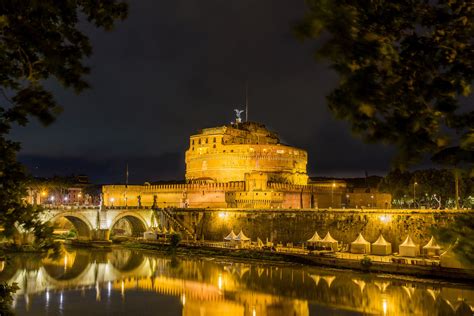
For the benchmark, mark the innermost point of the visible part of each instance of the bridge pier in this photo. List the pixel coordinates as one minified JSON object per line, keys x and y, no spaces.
{"x":100,"y":234}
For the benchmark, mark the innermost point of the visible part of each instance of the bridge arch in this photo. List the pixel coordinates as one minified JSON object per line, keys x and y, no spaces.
{"x":137,"y":223}
{"x":82,"y":225}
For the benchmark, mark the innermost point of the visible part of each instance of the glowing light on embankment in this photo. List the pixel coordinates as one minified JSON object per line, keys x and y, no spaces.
{"x":385,"y":218}
{"x":222,"y":215}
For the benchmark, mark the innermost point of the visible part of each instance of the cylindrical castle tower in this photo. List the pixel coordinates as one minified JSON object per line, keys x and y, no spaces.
{"x":227,"y":153}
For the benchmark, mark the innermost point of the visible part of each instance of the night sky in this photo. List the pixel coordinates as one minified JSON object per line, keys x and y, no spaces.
{"x":174,"y":67}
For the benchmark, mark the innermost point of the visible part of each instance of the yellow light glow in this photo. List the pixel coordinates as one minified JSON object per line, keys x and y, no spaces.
{"x":65,"y":262}
{"x":43,"y":193}
{"x":384,"y":306}
{"x":222,"y":215}
{"x":219,"y":282}
{"x":183,"y":299}
{"x":385,"y":218}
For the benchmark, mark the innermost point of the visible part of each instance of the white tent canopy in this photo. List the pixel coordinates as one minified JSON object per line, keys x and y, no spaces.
{"x":231,"y":236}
{"x":381,"y":247}
{"x":315,"y":238}
{"x":328,"y":242}
{"x":408,"y":248}
{"x":432,"y":248}
{"x":360,"y":245}
{"x":241,"y":237}
{"x":149,"y":235}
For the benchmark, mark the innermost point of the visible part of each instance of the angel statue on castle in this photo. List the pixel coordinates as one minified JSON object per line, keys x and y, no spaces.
{"x":238,"y":113}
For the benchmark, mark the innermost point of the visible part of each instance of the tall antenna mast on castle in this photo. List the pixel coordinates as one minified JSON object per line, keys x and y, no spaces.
{"x":246,"y":101}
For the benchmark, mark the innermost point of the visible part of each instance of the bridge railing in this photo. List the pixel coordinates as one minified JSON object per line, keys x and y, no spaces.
{"x":70,"y":207}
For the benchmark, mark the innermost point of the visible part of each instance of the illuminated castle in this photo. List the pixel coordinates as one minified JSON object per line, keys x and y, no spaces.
{"x":230,"y":153}
{"x":241,"y":165}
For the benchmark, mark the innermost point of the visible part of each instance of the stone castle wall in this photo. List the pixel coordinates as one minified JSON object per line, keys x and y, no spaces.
{"x":299,"y":226}
{"x":223,"y":195}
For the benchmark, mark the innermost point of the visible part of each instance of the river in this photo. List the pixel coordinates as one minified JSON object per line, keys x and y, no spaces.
{"x":129,"y":282}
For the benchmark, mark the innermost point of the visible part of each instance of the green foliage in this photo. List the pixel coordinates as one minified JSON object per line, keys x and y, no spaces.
{"x":40,"y":41}
{"x":461,"y":232}
{"x":404,"y":65}
{"x":435,"y":188}
{"x":6,"y":298}
{"x":175,"y":239}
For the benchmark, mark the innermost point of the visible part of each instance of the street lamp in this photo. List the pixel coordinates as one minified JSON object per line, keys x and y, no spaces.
{"x":332,"y":193}
{"x":414,"y":193}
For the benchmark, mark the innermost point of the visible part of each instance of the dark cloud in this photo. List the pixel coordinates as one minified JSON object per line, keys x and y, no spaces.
{"x":174,"y":67}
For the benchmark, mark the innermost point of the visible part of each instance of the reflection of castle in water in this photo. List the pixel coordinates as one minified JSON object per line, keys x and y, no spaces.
{"x":215,"y":288}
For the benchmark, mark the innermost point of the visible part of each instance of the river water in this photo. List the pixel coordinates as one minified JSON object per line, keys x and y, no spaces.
{"x":128,"y":282}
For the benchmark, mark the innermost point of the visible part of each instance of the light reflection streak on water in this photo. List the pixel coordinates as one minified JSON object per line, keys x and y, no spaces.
{"x":233,"y":288}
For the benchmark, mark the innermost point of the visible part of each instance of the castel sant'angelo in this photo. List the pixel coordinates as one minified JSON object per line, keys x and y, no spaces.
{"x":241,"y":165}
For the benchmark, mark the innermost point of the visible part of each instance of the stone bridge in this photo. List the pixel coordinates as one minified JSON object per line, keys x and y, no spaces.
{"x":95,"y":223}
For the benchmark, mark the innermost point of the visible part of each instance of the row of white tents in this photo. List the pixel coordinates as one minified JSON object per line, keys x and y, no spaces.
{"x":380,"y":247}
{"x":156,"y":232}
{"x":240,"y":238}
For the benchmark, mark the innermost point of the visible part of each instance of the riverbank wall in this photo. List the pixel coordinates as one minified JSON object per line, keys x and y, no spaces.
{"x":291,"y":226}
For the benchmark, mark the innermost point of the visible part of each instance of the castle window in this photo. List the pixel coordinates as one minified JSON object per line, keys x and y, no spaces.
{"x":193,"y":148}
{"x":199,"y":141}
{"x":207,"y":140}
{"x":214,"y":146}
{"x":231,"y":150}
{"x":193,"y":142}
{"x":223,"y":151}
{"x":214,"y":140}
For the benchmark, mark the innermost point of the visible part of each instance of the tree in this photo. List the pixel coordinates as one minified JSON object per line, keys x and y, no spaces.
{"x":403,"y":66}
{"x":39,"y":41}
{"x":460,"y":232}
{"x":6,"y":298}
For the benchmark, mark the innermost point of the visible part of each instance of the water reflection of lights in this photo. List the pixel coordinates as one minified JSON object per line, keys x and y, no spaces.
{"x":384,"y":306}
{"x":47,"y":297}
{"x":61,"y":300}
{"x":219,"y":282}
{"x":183,"y":299}
{"x":65,"y":262}
{"x":109,"y":288}
{"x":122,"y":289}
{"x":97,"y":292}
{"x":254,"y":312}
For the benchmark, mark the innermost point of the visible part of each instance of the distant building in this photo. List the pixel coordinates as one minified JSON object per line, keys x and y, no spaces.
{"x":60,"y":191}
{"x":242,"y":165}
{"x":367,"y":198}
